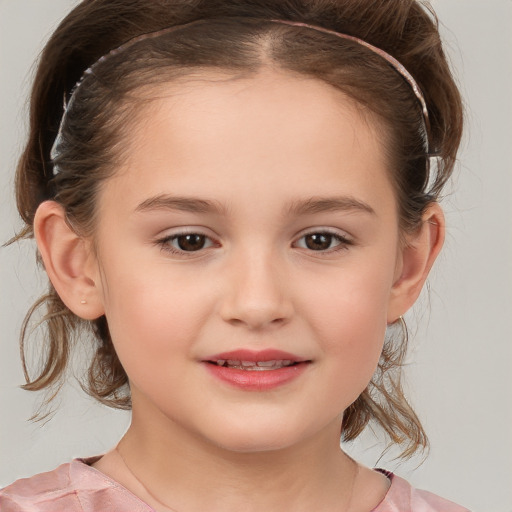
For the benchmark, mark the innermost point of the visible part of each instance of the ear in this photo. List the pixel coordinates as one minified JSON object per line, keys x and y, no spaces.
{"x":415,"y":261}
{"x":69,"y":261}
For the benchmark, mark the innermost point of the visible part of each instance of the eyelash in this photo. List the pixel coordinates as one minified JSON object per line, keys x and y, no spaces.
{"x":342,"y":242}
{"x":165,"y":243}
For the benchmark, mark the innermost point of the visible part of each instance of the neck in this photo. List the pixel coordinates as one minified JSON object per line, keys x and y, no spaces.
{"x":186,"y":473}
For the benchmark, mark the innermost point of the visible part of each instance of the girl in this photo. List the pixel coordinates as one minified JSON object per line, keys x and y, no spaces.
{"x":237,"y":201}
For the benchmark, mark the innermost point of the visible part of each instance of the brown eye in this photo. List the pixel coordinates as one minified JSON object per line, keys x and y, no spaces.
{"x":182,"y":244}
{"x":323,"y":241}
{"x":190,"y":242}
{"x":318,"y":241}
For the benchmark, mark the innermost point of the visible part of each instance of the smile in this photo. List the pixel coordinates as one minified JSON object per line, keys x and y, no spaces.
{"x":261,"y":371}
{"x":274,"y":364}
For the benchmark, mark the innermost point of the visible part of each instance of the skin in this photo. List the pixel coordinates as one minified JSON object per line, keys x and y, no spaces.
{"x":253,"y":148}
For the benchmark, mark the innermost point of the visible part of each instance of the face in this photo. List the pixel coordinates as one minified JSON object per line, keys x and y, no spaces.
{"x":246,"y":252}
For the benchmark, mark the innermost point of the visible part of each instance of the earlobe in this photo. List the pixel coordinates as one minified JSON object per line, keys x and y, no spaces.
{"x":417,"y":257}
{"x":68,"y":261}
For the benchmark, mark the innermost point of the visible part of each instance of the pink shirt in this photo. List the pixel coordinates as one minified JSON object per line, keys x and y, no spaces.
{"x":78,"y":487}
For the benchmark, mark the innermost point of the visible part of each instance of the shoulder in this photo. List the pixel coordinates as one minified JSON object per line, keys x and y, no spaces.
{"x":402,"y":497}
{"x":40,"y":492}
{"x":73,"y":487}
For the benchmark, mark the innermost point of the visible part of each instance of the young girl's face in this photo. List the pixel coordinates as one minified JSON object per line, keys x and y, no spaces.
{"x":253,"y":220}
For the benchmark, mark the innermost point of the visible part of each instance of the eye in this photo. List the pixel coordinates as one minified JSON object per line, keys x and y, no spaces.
{"x":185,"y":243}
{"x":323,"y":241}
{"x":189,"y":242}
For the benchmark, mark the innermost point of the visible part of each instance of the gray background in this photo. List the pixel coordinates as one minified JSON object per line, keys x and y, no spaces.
{"x":459,"y":375}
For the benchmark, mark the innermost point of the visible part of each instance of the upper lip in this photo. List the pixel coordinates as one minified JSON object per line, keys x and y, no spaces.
{"x":256,"y":356}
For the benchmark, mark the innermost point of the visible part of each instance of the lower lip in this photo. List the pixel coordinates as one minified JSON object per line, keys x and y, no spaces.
{"x":257,"y":380}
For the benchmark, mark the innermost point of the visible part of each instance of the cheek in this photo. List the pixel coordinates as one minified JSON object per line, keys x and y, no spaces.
{"x":353,"y":346}
{"x":349,"y":302}
{"x":152,"y":317}
{"x":348,"y":315}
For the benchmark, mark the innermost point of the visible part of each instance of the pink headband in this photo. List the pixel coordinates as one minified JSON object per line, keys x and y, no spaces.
{"x":386,"y":56}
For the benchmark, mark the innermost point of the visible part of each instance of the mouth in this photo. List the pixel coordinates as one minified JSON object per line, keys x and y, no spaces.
{"x":255,"y":366}
{"x":256,"y":361}
{"x":263,"y":370}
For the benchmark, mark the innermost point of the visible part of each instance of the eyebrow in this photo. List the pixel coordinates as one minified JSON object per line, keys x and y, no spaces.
{"x":295,"y":208}
{"x":329,"y":204}
{"x":185,"y":204}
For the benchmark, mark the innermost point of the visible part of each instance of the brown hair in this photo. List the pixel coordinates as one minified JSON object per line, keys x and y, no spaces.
{"x":236,"y":36}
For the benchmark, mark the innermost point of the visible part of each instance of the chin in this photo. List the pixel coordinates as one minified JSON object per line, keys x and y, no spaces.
{"x":243,"y":445}
{"x":248,"y":437}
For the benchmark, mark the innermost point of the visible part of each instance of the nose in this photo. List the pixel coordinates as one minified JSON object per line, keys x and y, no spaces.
{"x":257,"y":293}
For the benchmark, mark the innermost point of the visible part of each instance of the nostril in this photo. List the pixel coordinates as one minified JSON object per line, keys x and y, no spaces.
{"x":255,"y":303}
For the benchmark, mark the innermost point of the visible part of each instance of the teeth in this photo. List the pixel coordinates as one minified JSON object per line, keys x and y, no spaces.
{"x":267,"y":364}
{"x":254,"y":365}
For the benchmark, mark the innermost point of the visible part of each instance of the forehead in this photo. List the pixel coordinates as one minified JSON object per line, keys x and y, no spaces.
{"x":236,"y":135}
{"x":221,"y":98}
